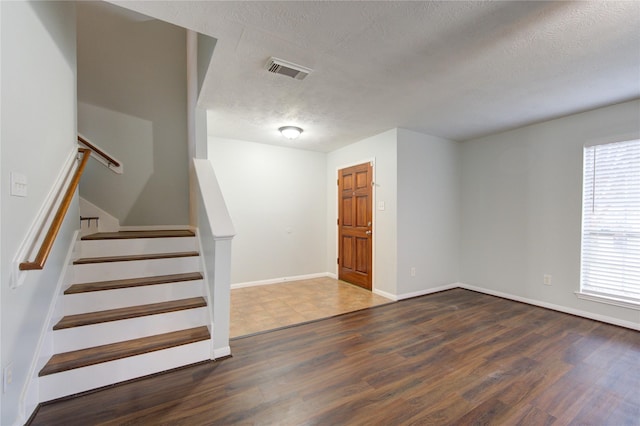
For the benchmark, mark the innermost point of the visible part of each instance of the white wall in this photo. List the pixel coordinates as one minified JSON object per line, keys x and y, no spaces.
{"x":382,"y":149}
{"x":132,"y":88}
{"x":1,"y":180}
{"x":206,"y":46}
{"x":37,"y":136}
{"x":521,"y":207}
{"x":199,"y":50}
{"x":277,"y":200}
{"x":428,"y":212}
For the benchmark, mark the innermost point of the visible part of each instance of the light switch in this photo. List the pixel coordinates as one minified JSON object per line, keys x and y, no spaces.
{"x":380,"y":205}
{"x":18,"y":184}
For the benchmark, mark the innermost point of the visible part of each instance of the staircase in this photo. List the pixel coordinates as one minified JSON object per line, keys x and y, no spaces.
{"x":136,"y":305}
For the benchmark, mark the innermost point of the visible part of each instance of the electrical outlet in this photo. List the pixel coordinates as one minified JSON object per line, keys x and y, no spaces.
{"x":7,"y":377}
{"x":546,"y":279}
{"x":413,"y":271}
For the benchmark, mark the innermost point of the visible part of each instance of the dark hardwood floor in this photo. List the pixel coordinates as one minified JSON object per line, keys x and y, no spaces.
{"x":456,"y":357}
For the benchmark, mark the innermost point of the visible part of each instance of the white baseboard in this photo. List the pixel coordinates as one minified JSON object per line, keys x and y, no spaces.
{"x":282,"y":280}
{"x":427,"y":291}
{"x":385,"y":294}
{"x":554,"y":307}
{"x":221,"y":352}
{"x":564,"y":309}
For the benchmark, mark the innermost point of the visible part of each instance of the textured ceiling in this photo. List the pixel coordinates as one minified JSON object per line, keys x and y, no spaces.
{"x":452,"y":69}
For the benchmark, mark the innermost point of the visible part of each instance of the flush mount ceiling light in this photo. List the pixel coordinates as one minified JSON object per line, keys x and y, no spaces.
{"x":290,"y":132}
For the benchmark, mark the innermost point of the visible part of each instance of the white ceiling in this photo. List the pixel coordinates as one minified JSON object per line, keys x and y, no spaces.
{"x":454,"y":69}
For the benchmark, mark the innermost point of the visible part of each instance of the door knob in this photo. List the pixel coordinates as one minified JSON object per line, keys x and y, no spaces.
{"x":368,"y":232}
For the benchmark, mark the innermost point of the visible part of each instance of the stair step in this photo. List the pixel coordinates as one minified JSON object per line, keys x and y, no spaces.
{"x":85,"y":260}
{"x":79,"y":320}
{"x":132,"y":282}
{"x":99,"y":354}
{"x":123,"y":235}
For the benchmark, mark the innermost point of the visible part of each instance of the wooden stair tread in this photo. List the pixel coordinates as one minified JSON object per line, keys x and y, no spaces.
{"x":104,"y":353}
{"x":123,"y":235}
{"x":132,"y":282}
{"x":79,"y":320}
{"x":85,"y":260}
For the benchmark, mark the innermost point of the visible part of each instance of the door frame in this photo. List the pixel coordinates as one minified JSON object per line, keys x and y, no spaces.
{"x":372,"y":161}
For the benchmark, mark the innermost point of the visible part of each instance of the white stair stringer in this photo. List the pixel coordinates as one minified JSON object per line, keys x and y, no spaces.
{"x":133,"y":246}
{"x":79,"y":303}
{"x":92,"y":272}
{"x":95,"y":376}
{"x":74,"y":338}
{"x":131,"y":295}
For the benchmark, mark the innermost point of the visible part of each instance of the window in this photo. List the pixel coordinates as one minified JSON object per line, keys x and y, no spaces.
{"x":610,"y":269}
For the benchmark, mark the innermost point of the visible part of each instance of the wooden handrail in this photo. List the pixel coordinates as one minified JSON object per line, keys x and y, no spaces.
{"x":98,"y":151}
{"x":47,"y":243}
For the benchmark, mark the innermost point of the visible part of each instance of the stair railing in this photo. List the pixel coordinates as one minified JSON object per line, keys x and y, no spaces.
{"x":52,"y":233}
{"x":101,"y":156}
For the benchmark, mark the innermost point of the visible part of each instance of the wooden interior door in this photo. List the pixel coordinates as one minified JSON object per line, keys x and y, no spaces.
{"x":355,"y":229}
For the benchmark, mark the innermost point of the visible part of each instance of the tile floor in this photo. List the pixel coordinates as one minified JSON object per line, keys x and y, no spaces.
{"x":267,"y":307}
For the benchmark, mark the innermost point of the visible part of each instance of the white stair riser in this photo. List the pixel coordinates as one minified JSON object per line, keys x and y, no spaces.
{"x":134,"y":269}
{"x":80,"y":303}
{"x":98,"y":248}
{"x":71,"y":339}
{"x":82,"y":379}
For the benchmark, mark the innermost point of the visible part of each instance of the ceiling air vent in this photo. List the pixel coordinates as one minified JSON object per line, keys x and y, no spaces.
{"x":278,"y":66}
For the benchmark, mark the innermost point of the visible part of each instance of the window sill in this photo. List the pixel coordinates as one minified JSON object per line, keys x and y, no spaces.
{"x":609,"y":300}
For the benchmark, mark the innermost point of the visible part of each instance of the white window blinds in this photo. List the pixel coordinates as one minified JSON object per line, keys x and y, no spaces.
{"x":611,"y":221}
